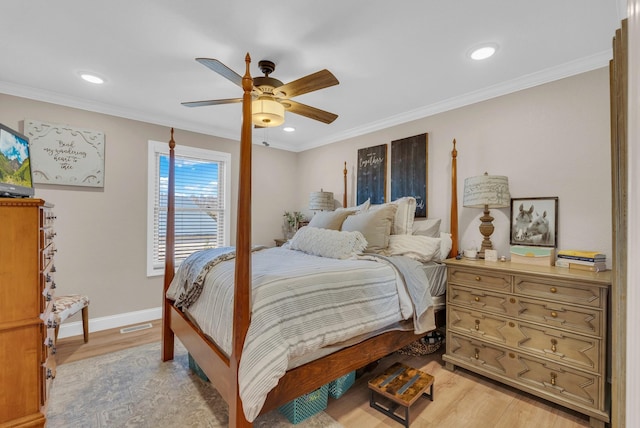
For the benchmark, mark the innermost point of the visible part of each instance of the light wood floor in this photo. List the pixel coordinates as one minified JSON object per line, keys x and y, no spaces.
{"x":461,"y":398}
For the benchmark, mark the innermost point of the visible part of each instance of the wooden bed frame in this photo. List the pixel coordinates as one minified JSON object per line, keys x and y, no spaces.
{"x":221,"y":370}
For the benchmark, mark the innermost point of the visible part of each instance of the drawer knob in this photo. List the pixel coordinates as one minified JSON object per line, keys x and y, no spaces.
{"x":512,"y":324}
{"x":553,"y":378}
{"x":554,"y":342}
{"x":477,"y":325}
{"x":512,"y":355}
{"x":477,"y":299}
{"x":477,"y":354}
{"x":554,"y":314}
{"x":553,"y":289}
{"x":478,"y":278}
{"x":512,"y":300}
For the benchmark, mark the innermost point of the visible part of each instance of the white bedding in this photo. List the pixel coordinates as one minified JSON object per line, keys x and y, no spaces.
{"x":302,"y":303}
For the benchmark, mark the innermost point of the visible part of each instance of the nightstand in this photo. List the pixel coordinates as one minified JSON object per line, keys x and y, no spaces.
{"x":280,"y":242}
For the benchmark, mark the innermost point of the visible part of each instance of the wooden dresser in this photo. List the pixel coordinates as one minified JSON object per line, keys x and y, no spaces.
{"x":540,"y":329}
{"x":27,"y":365}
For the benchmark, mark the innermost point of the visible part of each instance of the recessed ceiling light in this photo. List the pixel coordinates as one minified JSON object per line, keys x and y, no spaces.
{"x":483,"y":52}
{"x":92,"y":78}
{"x":288,"y":129}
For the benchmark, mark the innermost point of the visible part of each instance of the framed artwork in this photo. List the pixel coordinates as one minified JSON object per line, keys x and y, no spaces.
{"x":372,"y":174}
{"x":61,"y":154}
{"x":534,"y":221}
{"x":409,"y":175}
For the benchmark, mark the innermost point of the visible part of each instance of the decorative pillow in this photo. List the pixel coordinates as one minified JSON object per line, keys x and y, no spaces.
{"x":403,"y":221}
{"x":328,"y":243}
{"x":375,"y":225}
{"x":421,"y":248}
{"x":362,"y":207}
{"x":428,"y":227}
{"x":329,"y":219}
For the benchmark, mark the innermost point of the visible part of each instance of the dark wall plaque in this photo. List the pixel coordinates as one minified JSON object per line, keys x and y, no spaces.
{"x":372,"y":174}
{"x":409,"y":160}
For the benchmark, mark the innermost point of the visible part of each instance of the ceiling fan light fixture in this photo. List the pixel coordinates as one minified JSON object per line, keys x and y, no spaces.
{"x":267,"y":113}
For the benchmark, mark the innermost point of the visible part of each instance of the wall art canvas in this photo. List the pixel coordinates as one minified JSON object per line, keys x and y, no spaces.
{"x":372,"y":174}
{"x":65,"y":155}
{"x":409,"y":173}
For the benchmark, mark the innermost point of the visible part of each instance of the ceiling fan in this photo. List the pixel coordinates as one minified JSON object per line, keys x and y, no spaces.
{"x":271,"y":97}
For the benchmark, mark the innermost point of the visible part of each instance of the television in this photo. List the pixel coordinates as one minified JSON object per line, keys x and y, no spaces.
{"x":15,"y":164}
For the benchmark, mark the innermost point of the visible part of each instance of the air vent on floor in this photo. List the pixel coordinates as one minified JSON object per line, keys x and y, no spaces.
{"x":135,"y":328}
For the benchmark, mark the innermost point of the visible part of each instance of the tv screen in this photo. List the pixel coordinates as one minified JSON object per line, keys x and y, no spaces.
{"x":15,"y":164}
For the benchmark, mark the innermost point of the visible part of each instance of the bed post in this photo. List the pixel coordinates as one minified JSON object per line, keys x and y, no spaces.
{"x":169,"y":262}
{"x":242,"y":295}
{"x":344,"y":195}
{"x":454,"y":202}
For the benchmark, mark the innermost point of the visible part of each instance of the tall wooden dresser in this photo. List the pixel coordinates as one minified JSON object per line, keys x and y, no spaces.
{"x":27,"y":365}
{"x":541,"y":329}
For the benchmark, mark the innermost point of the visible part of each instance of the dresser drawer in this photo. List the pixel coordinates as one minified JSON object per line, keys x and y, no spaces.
{"x":477,"y":353}
{"x":546,"y":378}
{"x":558,"y":290}
{"x":485,"y":279}
{"x":557,"y":314}
{"x":547,"y":342}
{"x":478,"y":299}
{"x":561,"y":381}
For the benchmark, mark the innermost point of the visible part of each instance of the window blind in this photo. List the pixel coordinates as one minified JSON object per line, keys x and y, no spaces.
{"x":199,"y":206}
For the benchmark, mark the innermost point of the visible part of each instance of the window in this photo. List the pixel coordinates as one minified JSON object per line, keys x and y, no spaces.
{"x":202,"y":202}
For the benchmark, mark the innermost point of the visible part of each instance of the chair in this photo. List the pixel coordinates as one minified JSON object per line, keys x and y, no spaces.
{"x":66,"y":306}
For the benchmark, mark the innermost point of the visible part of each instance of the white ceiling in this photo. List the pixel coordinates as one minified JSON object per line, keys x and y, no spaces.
{"x":396,"y":61}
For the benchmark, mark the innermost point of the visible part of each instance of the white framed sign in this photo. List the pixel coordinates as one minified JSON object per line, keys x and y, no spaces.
{"x":61,"y":154}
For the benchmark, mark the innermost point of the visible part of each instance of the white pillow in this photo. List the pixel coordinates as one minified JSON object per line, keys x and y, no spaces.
{"x":358,"y":208}
{"x":428,"y":227}
{"x":403,"y":221}
{"x":375,"y":225}
{"x":329,"y":219}
{"x":328,"y":243}
{"x":420,"y":248}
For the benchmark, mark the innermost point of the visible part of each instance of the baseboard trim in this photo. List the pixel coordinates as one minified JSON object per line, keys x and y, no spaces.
{"x":111,"y":321}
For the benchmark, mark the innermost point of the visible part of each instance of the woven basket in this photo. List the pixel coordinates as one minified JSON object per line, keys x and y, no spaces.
{"x":425,"y":345}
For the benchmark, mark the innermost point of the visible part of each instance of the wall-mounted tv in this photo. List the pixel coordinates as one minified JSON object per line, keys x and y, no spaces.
{"x":15,"y":164}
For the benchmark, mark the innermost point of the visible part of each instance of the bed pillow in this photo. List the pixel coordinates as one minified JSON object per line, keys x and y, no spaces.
{"x":329,"y":219}
{"x":362,"y":207}
{"x":328,"y":243}
{"x":420,"y":248}
{"x":427,"y":227}
{"x":375,"y":225}
{"x":403,"y":221}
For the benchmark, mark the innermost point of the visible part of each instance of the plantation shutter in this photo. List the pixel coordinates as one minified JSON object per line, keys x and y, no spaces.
{"x":199,"y":208}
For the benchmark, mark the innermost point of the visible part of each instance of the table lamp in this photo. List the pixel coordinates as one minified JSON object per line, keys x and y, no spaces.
{"x":486,"y":191}
{"x":321,"y":201}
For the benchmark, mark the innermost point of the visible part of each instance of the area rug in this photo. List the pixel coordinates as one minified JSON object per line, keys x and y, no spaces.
{"x":134,"y":388}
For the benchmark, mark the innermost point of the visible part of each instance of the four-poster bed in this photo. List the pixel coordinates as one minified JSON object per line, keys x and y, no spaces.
{"x":223,"y":368}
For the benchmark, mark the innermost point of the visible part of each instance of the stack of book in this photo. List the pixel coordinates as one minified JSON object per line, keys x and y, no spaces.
{"x":583,"y":260}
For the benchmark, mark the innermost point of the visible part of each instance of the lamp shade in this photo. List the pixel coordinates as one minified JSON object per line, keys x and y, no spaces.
{"x":267,"y":113}
{"x":490,"y":190}
{"x":321,"y":201}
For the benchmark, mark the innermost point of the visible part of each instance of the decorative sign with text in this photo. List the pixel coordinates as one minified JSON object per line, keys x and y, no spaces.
{"x":372,"y":174}
{"x":61,"y":154}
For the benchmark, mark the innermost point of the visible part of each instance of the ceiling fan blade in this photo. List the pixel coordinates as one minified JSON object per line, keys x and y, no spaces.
{"x":212,"y":102}
{"x":318,"y":80}
{"x":308,"y":111}
{"x":221,"y":69}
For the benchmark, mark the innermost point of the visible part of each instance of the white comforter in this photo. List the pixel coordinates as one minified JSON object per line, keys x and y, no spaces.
{"x":301,"y":303}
